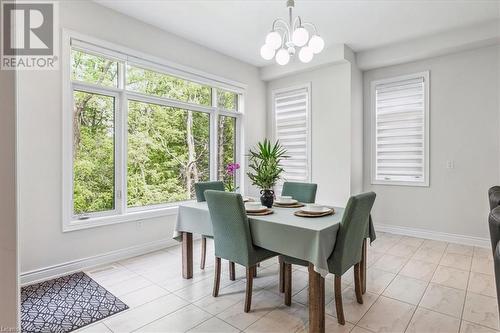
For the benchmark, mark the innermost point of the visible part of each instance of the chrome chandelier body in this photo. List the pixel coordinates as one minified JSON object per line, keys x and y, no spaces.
{"x":285,"y":37}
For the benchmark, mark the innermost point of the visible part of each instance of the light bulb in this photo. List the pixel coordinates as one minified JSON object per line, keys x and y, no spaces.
{"x":300,"y":36}
{"x":267,"y":52}
{"x":316,"y":44}
{"x":282,"y":57}
{"x":273,"y":39}
{"x":306,"y":54}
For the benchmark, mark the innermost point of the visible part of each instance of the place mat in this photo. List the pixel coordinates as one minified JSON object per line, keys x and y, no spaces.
{"x":294,"y":205}
{"x":307,"y":214}
{"x":266,"y":212}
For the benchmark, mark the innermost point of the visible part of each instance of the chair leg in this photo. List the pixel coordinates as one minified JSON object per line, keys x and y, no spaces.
{"x":248,"y":295}
{"x":203,"y":252}
{"x":358,"y":283}
{"x":363,"y":266}
{"x":232,"y":273}
{"x":288,"y":284}
{"x":215,"y":292}
{"x":255,"y":271}
{"x":338,"y":300}
{"x":282,"y":274}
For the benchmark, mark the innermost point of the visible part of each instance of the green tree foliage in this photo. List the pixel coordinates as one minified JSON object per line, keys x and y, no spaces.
{"x":167,"y":147}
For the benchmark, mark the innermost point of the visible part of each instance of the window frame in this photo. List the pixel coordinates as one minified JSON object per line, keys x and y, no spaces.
{"x":307,"y":86}
{"x":373,"y":129}
{"x":121,"y":212}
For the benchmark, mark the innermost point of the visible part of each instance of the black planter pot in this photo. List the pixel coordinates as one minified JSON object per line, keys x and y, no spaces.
{"x":267,"y":198}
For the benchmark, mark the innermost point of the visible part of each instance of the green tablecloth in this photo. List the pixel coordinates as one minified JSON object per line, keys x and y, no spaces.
{"x":311,"y":239}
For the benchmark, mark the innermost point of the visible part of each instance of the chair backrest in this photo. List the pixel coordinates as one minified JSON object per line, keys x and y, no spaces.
{"x":303,"y":192}
{"x":352,"y":231}
{"x":232,"y":237}
{"x":494,"y":197}
{"x":201,"y":187}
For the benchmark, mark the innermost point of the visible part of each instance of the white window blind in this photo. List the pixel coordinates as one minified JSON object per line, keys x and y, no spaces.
{"x":400,"y":131}
{"x":292,"y":129}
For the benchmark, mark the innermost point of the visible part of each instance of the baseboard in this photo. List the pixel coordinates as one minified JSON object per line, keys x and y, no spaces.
{"x":51,"y":272}
{"x":435,"y":235}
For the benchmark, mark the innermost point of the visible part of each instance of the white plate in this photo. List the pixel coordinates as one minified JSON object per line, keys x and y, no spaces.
{"x":318,"y":211}
{"x":256,"y":210}
{"x":288,"y":202}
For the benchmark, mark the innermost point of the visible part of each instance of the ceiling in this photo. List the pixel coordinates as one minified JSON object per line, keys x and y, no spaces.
{"x":238,"y":27}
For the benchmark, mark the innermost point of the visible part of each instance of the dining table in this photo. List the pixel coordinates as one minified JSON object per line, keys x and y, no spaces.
{"x":310,"y":239}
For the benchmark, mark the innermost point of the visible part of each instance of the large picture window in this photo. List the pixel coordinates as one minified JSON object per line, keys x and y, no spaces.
{"x":141,"y":136}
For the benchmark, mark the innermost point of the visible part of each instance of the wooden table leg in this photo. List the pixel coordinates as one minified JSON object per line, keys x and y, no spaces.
{"x":316,"y":301}
{"x":187,"y":255}
{"x":281,"y":274}
{"x":363,"y":267}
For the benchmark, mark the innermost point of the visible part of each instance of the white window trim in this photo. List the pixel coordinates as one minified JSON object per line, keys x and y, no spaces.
{"x":426,"y":182}
{"x":306,"y":86}
{"x":122,"y":213}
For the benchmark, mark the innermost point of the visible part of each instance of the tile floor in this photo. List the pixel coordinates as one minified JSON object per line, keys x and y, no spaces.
{"x":414,"y":285}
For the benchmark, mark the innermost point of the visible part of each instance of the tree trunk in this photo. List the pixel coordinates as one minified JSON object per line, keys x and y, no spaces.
{"x":191,"y":167}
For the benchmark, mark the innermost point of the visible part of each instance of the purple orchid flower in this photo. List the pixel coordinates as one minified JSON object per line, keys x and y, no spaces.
{"x":232,"y":167}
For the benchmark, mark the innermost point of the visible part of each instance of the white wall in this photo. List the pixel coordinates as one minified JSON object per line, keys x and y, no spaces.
{"x":331,"y":127}
{"x":42,"y":242}
{"x":9,"y":295}
{"x":464,"y":127}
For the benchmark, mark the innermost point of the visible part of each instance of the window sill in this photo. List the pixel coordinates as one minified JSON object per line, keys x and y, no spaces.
{"x":400,"y":183}
{"x":133,"y":216}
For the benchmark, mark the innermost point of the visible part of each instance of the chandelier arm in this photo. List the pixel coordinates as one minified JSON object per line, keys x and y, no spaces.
{"x":307,"y":24}
{"x":299,"y":20}
{"x":284,"y":26}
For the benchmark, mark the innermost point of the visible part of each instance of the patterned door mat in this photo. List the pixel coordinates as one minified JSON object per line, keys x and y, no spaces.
{"x":66,"y":304}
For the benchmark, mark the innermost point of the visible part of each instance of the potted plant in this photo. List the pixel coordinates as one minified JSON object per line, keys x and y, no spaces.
{"x":231,"y":169}
{"x":264,"y":163}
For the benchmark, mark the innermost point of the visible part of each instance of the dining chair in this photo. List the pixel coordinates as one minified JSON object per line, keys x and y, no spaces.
{"x":233,"y":238}
{"x":302,"y":192}
{"x":199,"y":189}
{"x":346,"y":253}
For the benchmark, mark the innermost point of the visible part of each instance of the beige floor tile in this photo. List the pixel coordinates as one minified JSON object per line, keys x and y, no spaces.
{"x":228,"y":296}
{"x":418,"y":269}
{"x":426,"y":321}
{"x":390,"y":263}
{"x":451,"y":277}
{"x":372,"y":257}
{"x":383,"y":244}
{"x":332,"y":326}
{"x":377,"y":280}
{"x":443,"y":299}
{"x":429,"y":254}
{"x":402,"y":250}
{"x":387,"y":315}
{"x":483,"y":284}
{"x":179,"y":321}
{"x":214,"y":325}
{"x":353,"y":311}
{"x":482,"y":265}
{"x":282,"y":319}
{"x":358,"y":329}
{"x":483,"y":252}
{"x":412,"y":241}
{"x":464,"y":250}
{"x":262,"y":303}
{"x":406,"y":289}
{"x":110,"y":275}
{"x":456,"y":261}
{"x":128,"y":286}
{"x":133,"y":319}
{"x":467,"y":327}
{"x":482,"y":310}
{"x":434,"y":244}
{"x":94,"y":328}
{"x":144,"y":295}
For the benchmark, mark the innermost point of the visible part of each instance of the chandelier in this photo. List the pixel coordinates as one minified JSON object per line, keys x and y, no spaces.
{"x":285,"y":37}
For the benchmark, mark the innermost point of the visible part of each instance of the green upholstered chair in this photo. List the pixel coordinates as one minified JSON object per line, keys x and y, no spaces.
{"x":303,"y":192}
{"x":233,"y":239}
{"x":200,"y":189}
{"x":346,"y":253}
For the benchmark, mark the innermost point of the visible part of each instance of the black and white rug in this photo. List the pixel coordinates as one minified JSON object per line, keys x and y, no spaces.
{"x":66,"y":304}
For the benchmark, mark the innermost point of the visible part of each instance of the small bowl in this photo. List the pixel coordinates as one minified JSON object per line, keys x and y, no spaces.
{"x":315,"y":208}
{"x":252,"y":205}
{"x":284,"y":199}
